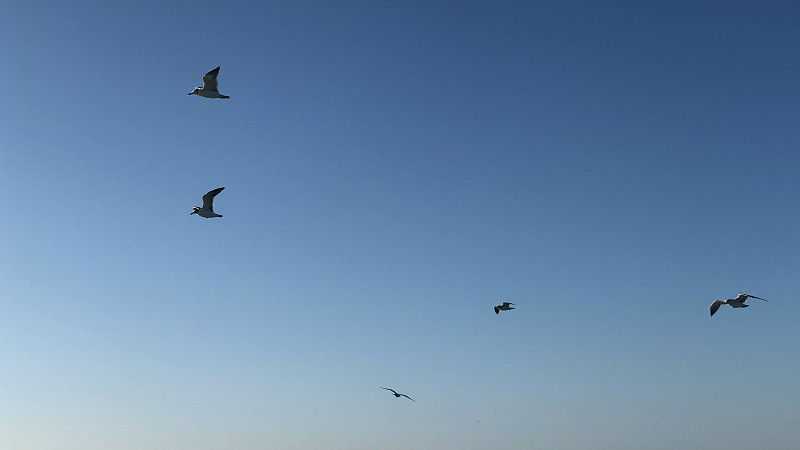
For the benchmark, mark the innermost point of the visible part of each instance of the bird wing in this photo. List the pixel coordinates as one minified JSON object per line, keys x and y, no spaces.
{"x":496,"y":310}
{"x":210,"y":80}
{"x":208,"y":199}
{"x":507,"y":303}
{"x":389,"y":390}
{"x":715,"y":306}
{"x":753,"y":296}
{"x":404,"y":395}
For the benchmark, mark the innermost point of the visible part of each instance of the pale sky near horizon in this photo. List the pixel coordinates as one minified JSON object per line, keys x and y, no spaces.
{"x":393,"y":170}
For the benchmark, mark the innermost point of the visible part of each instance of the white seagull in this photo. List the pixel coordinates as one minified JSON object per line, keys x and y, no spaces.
{"x":737,"y":302}
{"x":207,"y":210}
{"x":398,"y":395}
{"x":504,"y":307}
{"x":209,"y":89}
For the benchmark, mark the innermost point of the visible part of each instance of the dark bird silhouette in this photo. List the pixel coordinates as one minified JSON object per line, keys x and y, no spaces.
{"x":504,"y":307}
{"x":210,"y":86}
{"x":737,"y":302}
{"x":207,"y":210}
{"x":398,"y":395}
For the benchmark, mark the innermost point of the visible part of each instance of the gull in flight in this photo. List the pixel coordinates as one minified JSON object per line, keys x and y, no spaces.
{"x":737,"y":302}
{"x":209,"y":89}
{"x":207,"y":210}
{"x":399,"y":395}
{"x":504,"y":307}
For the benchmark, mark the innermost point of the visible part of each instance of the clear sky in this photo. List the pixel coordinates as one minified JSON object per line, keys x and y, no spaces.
{"x":393,"y":170}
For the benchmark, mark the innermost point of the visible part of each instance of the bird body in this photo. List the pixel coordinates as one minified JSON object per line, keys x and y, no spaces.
{"x":207,"y":210}
{"x":504,"y":307}
{"x":396,"y":394}
{"x":737,"y":302}
{"x":203,"y":213}
{"x":210,"y":86}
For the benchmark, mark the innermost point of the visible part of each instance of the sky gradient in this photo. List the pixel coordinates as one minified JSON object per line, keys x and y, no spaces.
{"x":393,"y":170}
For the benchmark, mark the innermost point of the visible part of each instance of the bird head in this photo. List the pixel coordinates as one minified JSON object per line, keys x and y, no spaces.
{"x":195,"y":209}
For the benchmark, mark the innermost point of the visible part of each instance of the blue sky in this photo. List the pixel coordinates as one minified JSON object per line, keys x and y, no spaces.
{"x":393,"y":170}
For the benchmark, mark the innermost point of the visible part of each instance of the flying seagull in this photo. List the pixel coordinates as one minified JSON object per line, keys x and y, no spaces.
{"x":504,"y":307}
{"x":399,"y":395}
{"x":209,"y":89}
{"x":207,"y":210}
{"x":737,"y":302}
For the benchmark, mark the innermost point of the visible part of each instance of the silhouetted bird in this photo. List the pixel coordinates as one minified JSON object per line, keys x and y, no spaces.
{"x":399,"y":395}
{"x":737,"y":302}
{"x":504,"y":307}
{"x":210,"y":86}
{"x":207,"y":210}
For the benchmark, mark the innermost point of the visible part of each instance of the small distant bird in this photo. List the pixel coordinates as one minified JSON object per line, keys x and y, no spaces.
{"x":207,"y":210}
{"x":399,"y":395}
{"x":210,"y":87}
{"x":737,"y":302}
{"x":504,"y":307}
